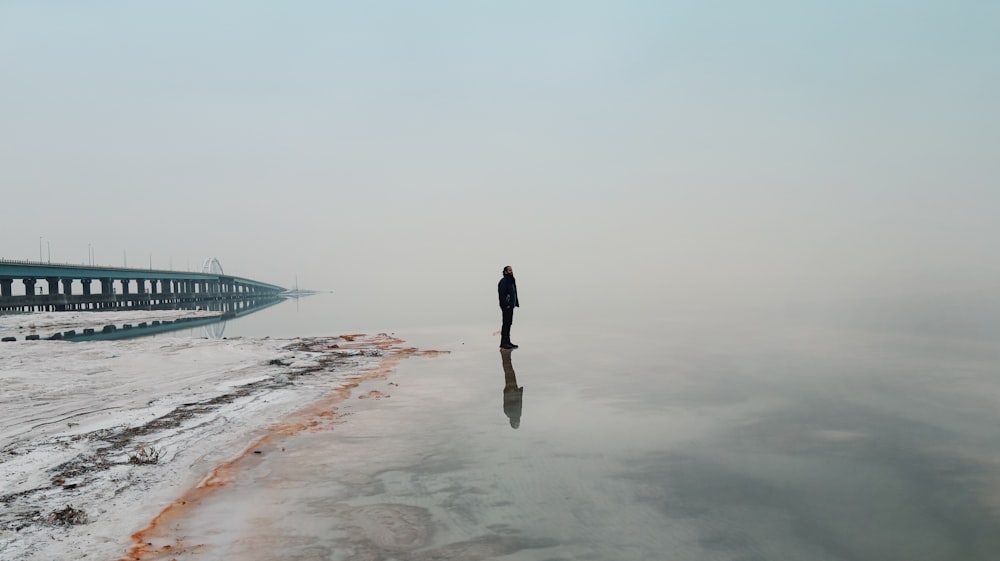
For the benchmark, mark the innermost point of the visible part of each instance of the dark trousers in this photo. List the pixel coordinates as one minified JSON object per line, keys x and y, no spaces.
{"x":508,"y":318}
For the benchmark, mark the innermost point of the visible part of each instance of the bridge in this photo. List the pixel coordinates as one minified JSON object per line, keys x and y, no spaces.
{"x":30,"y":286}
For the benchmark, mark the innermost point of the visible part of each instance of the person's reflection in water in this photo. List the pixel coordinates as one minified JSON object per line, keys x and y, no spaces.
{"x":511,"y":393}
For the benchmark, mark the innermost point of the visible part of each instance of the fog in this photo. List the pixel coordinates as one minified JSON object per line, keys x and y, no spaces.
{"x":671,"y":156}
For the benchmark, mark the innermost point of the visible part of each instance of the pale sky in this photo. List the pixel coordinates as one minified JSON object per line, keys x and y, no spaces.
{"x":643,"y":152}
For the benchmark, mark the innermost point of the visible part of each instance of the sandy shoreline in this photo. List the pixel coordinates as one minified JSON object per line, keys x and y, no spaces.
{"x":113,"y":432}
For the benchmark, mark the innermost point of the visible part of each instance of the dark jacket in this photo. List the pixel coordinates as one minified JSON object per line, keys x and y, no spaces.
{"x":507,"y":289}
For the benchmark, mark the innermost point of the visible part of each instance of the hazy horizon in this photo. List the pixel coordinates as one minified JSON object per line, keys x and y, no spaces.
{"x":665,"y":154}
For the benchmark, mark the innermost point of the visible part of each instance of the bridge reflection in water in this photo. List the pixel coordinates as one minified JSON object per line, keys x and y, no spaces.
{"x":214,"y":325}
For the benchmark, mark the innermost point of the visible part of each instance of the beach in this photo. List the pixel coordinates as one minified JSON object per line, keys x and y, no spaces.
{"x":98,"y":437}
{"x":707,"y":438}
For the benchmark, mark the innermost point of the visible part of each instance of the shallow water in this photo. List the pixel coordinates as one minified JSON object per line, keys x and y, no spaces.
{"x":679,"y":439}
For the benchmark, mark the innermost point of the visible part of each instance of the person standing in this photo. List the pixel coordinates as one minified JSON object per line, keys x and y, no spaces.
{"x":507,"y":289}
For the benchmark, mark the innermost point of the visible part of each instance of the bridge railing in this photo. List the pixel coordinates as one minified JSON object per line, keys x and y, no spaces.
{"x":4,"y":261}
{"x":25,"y":262}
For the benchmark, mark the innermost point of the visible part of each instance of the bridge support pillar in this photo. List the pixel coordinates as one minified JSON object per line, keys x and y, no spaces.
{"x":53,"y":285}
{"x":29,"y":293}
{"x":67,"y":291}
{"x":107,"y":290}
{"x":5,"y":288}
{"x":85,"y":286}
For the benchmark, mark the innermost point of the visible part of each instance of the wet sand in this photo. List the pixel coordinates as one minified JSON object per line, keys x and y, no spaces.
{"x":376,"y":487}
{"x":162,"y":538}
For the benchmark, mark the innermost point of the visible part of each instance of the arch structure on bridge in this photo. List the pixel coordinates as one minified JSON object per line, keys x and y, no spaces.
{"x":212,"y":266}
{"x":34,"y":286}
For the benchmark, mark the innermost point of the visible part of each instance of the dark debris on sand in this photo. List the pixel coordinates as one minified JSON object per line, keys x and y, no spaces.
{"x":19,"y":512}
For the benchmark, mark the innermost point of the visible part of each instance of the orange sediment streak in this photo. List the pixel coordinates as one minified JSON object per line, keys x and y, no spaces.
{"x":318,"y":414}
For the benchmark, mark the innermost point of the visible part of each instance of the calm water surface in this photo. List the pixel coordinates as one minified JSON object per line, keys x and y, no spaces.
{"x":655,"y":438}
